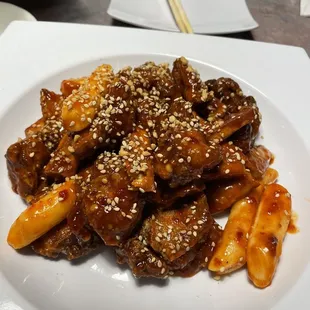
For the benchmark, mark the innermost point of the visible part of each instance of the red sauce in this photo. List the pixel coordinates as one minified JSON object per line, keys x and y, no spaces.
{"x":63,"y":194}
{"x":292,"y":227}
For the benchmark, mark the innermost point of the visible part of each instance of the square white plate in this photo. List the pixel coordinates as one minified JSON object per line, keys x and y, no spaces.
{"x":36,"y":55}
{"x":206,"y":16}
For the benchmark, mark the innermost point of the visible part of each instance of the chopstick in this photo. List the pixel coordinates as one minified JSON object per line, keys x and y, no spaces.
{"x":180,"y":16}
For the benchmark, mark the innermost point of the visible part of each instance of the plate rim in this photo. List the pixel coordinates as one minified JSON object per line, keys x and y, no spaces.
{"x":131,"y":19}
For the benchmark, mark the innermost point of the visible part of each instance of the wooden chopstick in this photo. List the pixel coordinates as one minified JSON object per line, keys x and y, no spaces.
{"x":180,"y":16}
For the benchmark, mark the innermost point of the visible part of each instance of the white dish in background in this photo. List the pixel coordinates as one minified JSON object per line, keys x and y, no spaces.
{"x":206,"y":16}
{"x":31,"y":282}
{"x":10,"y":12}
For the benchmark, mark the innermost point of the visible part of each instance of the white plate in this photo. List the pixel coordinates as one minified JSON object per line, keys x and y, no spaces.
{"x":206,"y":16}
{"x":10,"y":12}
{"x":282,"y":73}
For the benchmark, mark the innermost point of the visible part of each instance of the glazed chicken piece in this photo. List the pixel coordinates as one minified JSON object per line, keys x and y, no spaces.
{"x":61,"y":241}
{"x":151,"y":111}
{"x":112,"y":208}
{"x":258,"y":160}
{"x":159,"y":248}
{"x":182,"y":152}
{"x":112,"y":124}
{"x":189,"y":83}
{"x":233,"y":164}
{"x":232,"y":123}
{"x":231,"y":101}
{"x":156,"y":80}
{"x":165,"y":197}
{"x":51,"y":104}
{"x":172,"y":233}
{"x":243,"y":138}
{"x":63,"y":163}
{"x":203,"y":253}
{"x":142,"y":260}
{"x":25,"y":160}
{"x":136,"y":152}
{"x":34,"y":128}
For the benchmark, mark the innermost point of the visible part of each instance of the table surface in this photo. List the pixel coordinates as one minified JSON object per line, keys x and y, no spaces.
{"x":279,"y":20}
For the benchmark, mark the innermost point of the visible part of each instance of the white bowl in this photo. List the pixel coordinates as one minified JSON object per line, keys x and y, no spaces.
{"x":10,"y":12}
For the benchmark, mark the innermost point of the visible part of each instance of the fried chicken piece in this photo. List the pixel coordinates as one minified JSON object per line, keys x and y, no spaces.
{"x":34,"y":128}
{"x":112,"y":124}
{"x":142,"y":260}
{"x":243,"y":138}
{"x":231,"y":101}
{"x":25,"y":160}
{"x":172,"y":233}
{"x":154,"y":79}
{"x":258,"y":160}
{"x":112,"y":209}
{"x":181,"y":157}
{"x":136,"y":152}
{"x":232,"y":123}
{"x":51,"y":104}
{"x":203,"y":253}
{"x":165,"y":196}
{"x":189,"y":83}
{"x":62,"y":241}
{"x":63,"y":163}
{"x":151,"y":110}
{"x":182,"y":152}
{"x":223,"y":194}
{"x":232,"y":165}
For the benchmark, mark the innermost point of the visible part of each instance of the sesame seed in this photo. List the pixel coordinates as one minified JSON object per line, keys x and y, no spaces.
{"x":159,"y":264}
{"x":222,"y":269}
{"x":206,"y":259}
{"x":163,"y":271}
{"x":157,"y":239}
{"x":71,"y":149}
{"x":31,"y":154}
{"x":181,"y":160}
{"x":227,"y":171}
